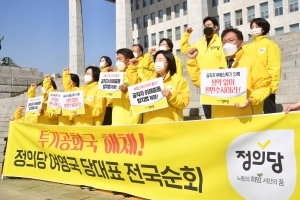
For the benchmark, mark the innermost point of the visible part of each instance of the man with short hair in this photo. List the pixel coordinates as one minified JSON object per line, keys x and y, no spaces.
{"x":258,"y":79}
{"x":137,"y":50}
{"x":210,"y":53}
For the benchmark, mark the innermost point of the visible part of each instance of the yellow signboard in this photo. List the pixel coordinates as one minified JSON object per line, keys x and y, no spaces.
{"x":254,"y":157}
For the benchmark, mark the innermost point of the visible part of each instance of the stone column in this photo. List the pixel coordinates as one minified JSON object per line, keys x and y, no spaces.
{"x":197,"y":11}
{"x":123,"y":24}
{"x":76,"y":48}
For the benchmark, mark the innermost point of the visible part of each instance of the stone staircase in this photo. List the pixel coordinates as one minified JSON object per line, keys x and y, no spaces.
{"x":288,"y":92}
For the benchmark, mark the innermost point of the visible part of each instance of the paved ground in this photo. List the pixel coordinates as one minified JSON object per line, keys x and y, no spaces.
{"x":29,"y":189}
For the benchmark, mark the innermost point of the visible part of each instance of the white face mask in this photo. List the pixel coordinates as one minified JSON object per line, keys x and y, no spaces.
{"x":120,"y":65}
{"x":102,"y":64}
{"x":135,"y":54}
{"x":43,"y":90}
{"x":256,"y":32}
{"x":87,"y":78}
{"x":159,"y":66}
{"x":230,"y":49}
{"x":163,"y":48}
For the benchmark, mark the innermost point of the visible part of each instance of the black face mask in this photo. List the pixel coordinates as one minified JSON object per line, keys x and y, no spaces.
{"x":208,"y":31}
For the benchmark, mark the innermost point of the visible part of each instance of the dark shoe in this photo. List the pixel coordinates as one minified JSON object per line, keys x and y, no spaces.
{"x":83,"y":187}
{"x":92,"y":189}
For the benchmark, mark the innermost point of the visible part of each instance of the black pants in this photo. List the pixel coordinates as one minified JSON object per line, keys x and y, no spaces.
{"x":4,"y":152}
{"x":269,"y":104}
{"x":108,"y":116}
{"x":207,"y":111}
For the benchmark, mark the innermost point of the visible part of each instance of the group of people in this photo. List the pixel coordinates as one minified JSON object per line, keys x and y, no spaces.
{"x":261,"y":57}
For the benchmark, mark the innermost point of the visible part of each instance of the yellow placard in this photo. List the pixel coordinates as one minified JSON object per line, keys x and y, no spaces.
{"x":254,"y":157}
{"x":80,"y":111}
{"x":163,"y":103}
{"x":224,"y":101}
{"x":30,"y":114}
{"x":53,"y":110}
{"x":116,"y":94}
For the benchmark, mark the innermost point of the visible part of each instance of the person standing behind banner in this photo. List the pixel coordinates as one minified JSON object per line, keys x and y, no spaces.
{"x":121,"y":114}
{"x":176,"y":90}
{"x":165,"y":44}
{"x":105,"y":63}
{"x":19,"y":118}
{"x":48,"y":86}
{"x":268,"y":53}
{"x":258,"y":79}
{"x":74,"y":82}
{"x":138,"y":51}
{"x":94,"y":106}
{"x":210,"y":53}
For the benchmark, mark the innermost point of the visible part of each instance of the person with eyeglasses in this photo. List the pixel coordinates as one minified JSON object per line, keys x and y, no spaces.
{"x":258,"y":79}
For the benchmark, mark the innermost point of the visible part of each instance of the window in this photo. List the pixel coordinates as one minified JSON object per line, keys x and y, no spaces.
{"x":250,"y":37}
{"x":137,"y":5}
{"x":177,"y":10}
{"x":152,"y":2}
{"x":145,"y":21}
{"x":168,"y":13}
{"x":264,"y":10}
{"x":132,"y":24}
{"x":184,"y":6}
{"x":138,"y":22}
{"x":227,"y":20}
{"x":177,"y":33}
{"x":152,"y":18}
{"x":238,"y":18}
{"x":161,"y":35}
{"x":279,"y":30}
{"x":251,"y":13}
{"x":146,"y":44}
{"x":145,"y":3}
{"x":278,"y":7}
{"x":159,"y":0}
{"x":293,"y":5}
{"x":153,"y":39}
{"x":169,"y":33}
{"x":226,"y":1}
{"x":294,"y":27}
{"x":139,"y":40}
{"x":217,"y":18}
{"x":160,"y":16}
{"x":178,"y":52}
{"x":131,"y":5}
{"x":215,"y":3}
{"x":185,"y":27}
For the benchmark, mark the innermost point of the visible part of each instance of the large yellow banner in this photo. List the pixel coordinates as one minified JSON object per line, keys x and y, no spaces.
{"x":235,"y":158}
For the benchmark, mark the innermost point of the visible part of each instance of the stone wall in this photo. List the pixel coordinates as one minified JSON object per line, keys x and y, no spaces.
{"x":16,"y":80}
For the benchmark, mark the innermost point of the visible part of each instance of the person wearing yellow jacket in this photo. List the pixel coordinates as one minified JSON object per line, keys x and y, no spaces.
{"x":268,"y":53}
{"x":74,"y":82}
{"x":94,"y":105}
{"x":122,"y":114}
{"x":19,"y":118}
{"x":210,"y":53}
{"x":258,"y":79}
{"x":47,"y":87}
{"x":176,"y":90}
{"x":105,"y":64}
{"x":165,"y":44}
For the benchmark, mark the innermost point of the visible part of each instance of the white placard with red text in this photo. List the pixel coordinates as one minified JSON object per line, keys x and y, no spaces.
{"x":147,"y":96}
{"x":224,"y":86}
